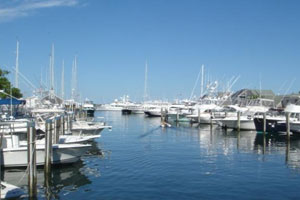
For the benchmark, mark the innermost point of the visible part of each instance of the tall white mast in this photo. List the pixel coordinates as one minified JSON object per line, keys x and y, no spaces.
{"x":72,"y":82}
{"x":50,"y":72}
{"x":63,"y":80}
{"x":17,"y":66}
{"x":146,"y":80}
{"x":74,"y":78}
{"x":202,"y":80}
{"x":52,"y":68}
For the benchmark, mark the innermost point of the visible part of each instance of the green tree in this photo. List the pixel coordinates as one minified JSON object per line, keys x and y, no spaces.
{"x":6,"y":85}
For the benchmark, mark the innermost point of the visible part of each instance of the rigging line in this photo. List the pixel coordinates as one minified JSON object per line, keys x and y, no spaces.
{"x":196,"y":83}
{"x":291,"y":84}
{"x":26,"y":80}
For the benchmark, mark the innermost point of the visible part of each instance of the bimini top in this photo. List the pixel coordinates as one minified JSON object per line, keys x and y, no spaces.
{"x":291,"y":108}
{"x":12,"y":101}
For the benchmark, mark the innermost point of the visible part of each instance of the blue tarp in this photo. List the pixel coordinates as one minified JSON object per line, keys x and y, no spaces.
{"x":11,"y":101}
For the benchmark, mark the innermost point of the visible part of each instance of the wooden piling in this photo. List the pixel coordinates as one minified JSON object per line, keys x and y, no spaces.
{"x":177,"y":116}
{"x":31,"y":158}
{"x":48,"y":147}
{"x":287,"y":152}
{"x":56,"y":130}
{"x":161,"y":115}
{"x":264,"y":123}
{"x":287,"y":115}
{"x":199,"y":116}
{"x":70,"y":120}
{"x":238,"y":121}
{"x":211,"y":121}
{"x":62,"y":125}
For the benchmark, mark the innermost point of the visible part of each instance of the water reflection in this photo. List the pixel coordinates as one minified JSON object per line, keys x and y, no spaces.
{"x":63,"y":178}
{"x":242,"y":142}
{"x":281,"y":144}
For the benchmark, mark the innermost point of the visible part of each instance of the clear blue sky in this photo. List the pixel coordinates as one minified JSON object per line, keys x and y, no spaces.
{"x":114,"y":38}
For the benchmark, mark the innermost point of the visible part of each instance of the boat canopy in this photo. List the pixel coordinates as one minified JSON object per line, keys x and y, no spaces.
{"x":292,"y":108}
{"x":12,"y":101}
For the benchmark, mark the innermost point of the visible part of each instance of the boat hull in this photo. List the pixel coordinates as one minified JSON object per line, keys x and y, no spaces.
{"x":295,"y":127}
{"x":153,"y":114}
{"x":272,"y":125}
{"x":233,"y":124}
{"x":90,"y":113}
{"x":61,"y":154}
{"x":91,"y":131}
{"x":126,"y":111}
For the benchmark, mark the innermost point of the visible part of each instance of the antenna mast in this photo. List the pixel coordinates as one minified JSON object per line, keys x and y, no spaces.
{"x":17,"y":67}
{"x":202,"y":80}
{"x":74,"y":78}
{"x":52,"y":68}
{"x":63,"y":80}
{"x":146,"y":80}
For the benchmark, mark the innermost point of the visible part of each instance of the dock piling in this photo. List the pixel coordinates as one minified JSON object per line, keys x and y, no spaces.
{"x":69,"y":118}
{"x":264,"y":123}
{"x":238,"y":121}
{"x":161,"y":115}
{"x":199,"y":116}
{"x":31,"y":158}
{"x":48,"y":147}
{"x":56,"y":130}
{"x":288,"y":124}
{"x":211,"y":121}
{"x":62,"y":125}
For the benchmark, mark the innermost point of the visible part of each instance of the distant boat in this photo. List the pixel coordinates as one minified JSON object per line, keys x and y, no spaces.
{"x":126,"y":111}
{"x":133,"y":109}
{"x":89,"y":107}
{"x":117,"y":105}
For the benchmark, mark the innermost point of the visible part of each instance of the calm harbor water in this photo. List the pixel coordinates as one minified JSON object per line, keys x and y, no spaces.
{"x":140,"y":160}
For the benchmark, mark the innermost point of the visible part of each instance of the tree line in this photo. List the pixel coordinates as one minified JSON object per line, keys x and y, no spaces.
{"x":6,"y":86}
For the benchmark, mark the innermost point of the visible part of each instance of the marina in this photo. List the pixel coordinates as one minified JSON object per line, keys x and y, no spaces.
{"x":136,"y":99}
{"x":177,"y":149}
{"x":139,"y":157}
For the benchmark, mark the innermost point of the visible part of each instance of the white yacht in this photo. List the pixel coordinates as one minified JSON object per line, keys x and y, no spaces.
{"x":87,"y":127}
{"x":61,"y":153}
{"x":117,"y":105}
{"x":246,"y":117}
{"x":66,"y":139}
{"x":133,"y":109}
{"x":206,"y":110}
{"x":153,"y":108}
{"x":89,"y":107}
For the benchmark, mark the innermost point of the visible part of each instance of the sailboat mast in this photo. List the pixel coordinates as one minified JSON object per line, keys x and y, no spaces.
{"x":146,"y":80}
{"x":202,"y":80}
{"x":74,"y":78}
{"x":50,"y":72}
{"x":63,"y":80}
{"x":17,"y":66}
{"x":52,"y":68}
